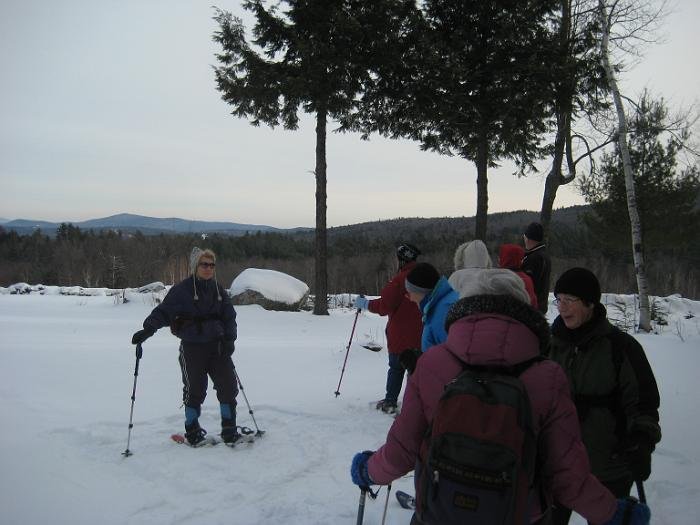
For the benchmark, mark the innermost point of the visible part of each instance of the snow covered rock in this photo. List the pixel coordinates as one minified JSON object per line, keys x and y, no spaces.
{"x":19,"y":289}
{"x":152,"y":288}
{"x":270,"y":289}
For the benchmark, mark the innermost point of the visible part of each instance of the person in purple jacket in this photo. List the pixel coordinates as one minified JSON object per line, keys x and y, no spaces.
{"x":498,"y":327}
{"x":200,"y":314}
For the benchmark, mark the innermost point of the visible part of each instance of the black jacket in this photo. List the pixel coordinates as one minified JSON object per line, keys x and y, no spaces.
{"x":537,"y":265}
{"x":613,"y":388}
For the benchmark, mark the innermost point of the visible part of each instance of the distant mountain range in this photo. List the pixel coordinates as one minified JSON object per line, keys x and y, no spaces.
{"x":390,"y":228}
{"x":127,"y":222}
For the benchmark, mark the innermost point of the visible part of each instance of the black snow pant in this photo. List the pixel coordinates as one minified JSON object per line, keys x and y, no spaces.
{"x":199,"y":360}
{"x":620,"y":488}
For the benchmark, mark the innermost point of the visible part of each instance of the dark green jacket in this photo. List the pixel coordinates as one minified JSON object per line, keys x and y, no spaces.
{"x":613,"y":388}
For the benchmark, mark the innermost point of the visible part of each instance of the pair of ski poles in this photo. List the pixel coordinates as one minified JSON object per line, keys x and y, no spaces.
{"x":139,"y":354}
{"x":363,"y":498}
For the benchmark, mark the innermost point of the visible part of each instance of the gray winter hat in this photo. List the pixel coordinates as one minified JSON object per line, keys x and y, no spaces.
{"x":195,"y":256}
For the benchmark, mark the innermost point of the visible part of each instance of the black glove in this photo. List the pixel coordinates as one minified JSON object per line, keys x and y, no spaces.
{"x":227,"y":347}
{"x":409,"y":358}
{"x":140,"y":336}
{"x":638,"y":456}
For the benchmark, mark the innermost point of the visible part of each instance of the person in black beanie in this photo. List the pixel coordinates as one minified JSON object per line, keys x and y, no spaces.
{"x":536,"y":263}
{"x":612,"y":384}
{"x":434,"y":297}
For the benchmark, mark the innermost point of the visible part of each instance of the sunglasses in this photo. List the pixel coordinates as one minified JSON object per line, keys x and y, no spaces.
{"x":207,"y":265}
{"x":566,"y":301}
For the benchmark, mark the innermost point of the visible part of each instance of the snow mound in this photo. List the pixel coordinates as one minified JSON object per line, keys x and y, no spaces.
{"x":270,"y":289}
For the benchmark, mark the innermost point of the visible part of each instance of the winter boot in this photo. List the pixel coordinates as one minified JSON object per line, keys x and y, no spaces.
{"x":229,"y":432}
{"x":386,"y":406}
{"x":194,"y":434}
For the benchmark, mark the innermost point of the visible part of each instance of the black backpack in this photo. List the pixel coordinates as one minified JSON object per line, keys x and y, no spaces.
{"x":477,"y":463}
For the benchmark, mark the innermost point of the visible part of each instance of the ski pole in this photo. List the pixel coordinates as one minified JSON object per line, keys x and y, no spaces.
{"x":347,"y":351}
{"x":258,"y":432}
{"x":361,"y":508}
{"x":386,"y":503}
{"x":139,"y":353}
{"x":640,"y":490}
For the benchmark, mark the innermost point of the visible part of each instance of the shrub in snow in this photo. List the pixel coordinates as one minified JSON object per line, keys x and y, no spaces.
{"x":270,"y":289}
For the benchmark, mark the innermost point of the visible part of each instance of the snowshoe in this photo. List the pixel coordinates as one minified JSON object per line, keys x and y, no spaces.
{"x":206,"y":441}
{"x":238,"y":435}
{"x":406,"y":500}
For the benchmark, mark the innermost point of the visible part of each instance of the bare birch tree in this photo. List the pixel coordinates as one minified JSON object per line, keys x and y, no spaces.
{"x":637,"y":20}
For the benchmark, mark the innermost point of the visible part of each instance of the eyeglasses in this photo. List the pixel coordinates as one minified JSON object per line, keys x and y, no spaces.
{"x":207,"y":265}
{"x":566,"y":301}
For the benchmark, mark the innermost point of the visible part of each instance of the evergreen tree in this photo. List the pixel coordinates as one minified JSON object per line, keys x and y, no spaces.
{"x":667,"y":195}
{"x":473,"y":80}
{"x":314,"y":55}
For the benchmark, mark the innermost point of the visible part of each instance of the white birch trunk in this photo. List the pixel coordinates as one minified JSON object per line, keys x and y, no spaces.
{"x":638,"y":257}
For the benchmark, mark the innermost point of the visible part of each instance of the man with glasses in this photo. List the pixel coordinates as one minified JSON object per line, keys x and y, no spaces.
{"x":612,"y":384}
{"x":200,"y":314}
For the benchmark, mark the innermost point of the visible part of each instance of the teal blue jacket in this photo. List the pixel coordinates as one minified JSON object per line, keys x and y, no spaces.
{"x":434,"y":308}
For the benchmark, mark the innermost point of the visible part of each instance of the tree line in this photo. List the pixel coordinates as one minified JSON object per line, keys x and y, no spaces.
{"x":361,"y":257}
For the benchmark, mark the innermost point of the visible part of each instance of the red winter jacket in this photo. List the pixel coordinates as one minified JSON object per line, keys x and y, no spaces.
{"x":510,"y":256}
{"x":486,"y":332}
{"x":404,"y":327}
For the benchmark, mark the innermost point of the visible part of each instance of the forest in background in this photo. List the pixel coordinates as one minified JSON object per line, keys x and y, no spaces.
{"x":361,"y":256}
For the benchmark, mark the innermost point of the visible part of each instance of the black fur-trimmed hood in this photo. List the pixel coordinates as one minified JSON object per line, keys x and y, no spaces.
{"x":504,"y":305}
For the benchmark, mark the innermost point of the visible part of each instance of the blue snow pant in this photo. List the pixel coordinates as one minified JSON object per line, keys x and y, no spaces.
{"x":394,"y":379}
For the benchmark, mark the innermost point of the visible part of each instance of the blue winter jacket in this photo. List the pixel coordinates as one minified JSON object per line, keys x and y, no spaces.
{"x":434,"y":307}
{"x":202,"y":321}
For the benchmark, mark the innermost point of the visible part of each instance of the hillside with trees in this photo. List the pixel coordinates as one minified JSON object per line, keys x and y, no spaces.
{"x":361,"y":256}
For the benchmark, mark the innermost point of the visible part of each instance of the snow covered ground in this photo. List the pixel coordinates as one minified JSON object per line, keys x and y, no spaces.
{"x":67,"y":377}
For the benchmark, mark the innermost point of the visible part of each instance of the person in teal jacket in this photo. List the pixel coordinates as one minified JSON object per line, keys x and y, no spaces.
{"x":434,"y":297}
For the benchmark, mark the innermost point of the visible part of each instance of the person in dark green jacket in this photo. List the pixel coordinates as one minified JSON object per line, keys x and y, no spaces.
{"x":612,"y":384}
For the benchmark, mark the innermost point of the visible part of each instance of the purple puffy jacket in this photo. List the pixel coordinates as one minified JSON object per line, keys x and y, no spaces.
{"x":500,"y":330}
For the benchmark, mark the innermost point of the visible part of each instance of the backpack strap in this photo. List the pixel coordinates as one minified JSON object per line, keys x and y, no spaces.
{"x":512,"y":370}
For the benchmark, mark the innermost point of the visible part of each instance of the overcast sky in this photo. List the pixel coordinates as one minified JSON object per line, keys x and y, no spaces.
{"x":110,"y":106}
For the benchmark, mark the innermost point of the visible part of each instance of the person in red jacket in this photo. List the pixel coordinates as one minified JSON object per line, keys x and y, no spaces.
{"x":510,"y":257}
{"x":404,"y":327}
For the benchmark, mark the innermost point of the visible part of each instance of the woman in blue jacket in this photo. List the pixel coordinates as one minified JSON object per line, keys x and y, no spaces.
{"x":200,"y":314}
{"x":434,"y":297}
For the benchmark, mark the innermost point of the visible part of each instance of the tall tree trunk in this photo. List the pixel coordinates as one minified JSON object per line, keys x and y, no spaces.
{"x":638,"y":256}
{"x":321,"y":243}
{"x":554,"y":177}
{"x":562,"y":104}
{"x":482,"y":190}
